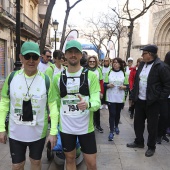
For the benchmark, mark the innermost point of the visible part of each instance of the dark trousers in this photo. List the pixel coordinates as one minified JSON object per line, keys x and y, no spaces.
{"x":97,"y":118}
{"x":103,"y":100}
{"x":132,"y":109}
{"x":151,"y":113}
{"x":163,"y":118}
{"x":114,"y":114}
{"x":168,"y":123}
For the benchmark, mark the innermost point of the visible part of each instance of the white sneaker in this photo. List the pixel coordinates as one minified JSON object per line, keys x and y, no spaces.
{"x":101,"y":107}
{"x":106,"y":107}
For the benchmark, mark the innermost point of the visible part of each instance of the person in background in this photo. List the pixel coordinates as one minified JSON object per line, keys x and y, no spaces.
{"x":57,"y":66}
{"x":129,"y":65}
{"x":124,"y":65}
{"x":151,"y":88}
{"x":126,"y":91}
{"x":83,"y":60}
{"x":164,"y":116}
{"x":45,"y":61}
{"x":131,"y":83}
{"x":26,"y":99}
{"x":93,"y":66}
{"x":167,"y":61}
{"x":116,"y":82}
{"x":100,"y":63}
{"x":105,"y":69}
{"x":127,"y":70}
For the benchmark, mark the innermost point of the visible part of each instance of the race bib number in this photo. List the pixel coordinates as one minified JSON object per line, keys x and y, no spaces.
{"x":70,"y":107}
{"x":18,"y":118}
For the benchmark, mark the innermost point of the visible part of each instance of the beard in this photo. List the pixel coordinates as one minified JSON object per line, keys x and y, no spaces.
{"x":73,"y":63}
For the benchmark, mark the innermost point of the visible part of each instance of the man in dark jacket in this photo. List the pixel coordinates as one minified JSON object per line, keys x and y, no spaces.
{"x":151,"y":87}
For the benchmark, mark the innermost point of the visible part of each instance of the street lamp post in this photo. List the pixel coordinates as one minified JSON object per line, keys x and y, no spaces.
{"x":55,"y":25}
{"x":17,"y":32}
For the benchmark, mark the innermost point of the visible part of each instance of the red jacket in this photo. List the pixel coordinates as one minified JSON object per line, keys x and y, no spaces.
{"x":101,"y":86}
{"x":132,"y":77}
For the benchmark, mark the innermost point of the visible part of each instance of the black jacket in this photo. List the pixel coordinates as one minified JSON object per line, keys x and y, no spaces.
{"x":158,"y":82}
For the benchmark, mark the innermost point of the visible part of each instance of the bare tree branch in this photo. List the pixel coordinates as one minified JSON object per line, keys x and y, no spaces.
{"x":66,"y":19}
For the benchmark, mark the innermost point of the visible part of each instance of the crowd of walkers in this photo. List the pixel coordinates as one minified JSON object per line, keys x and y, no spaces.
{"x":69,"y":90}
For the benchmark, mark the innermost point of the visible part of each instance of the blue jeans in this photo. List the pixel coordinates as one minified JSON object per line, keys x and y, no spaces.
{"x":114,"y":114}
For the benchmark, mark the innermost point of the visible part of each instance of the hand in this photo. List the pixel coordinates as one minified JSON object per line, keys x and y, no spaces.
{"x":82,"y":105}
{"x":110,"y":85}
{"x":52,"y":139}
{"x":101,"y":95}
{"x":122,"y":87}
{"x":3,"y":137}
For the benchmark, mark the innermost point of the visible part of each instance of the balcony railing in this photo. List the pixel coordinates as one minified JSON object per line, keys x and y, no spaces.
{"x":30,"y":25}
{"x":8,"y":11}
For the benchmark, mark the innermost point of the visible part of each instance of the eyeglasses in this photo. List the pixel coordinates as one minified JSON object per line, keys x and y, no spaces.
{"x":91,"y":61}
{"x":33,"y":56}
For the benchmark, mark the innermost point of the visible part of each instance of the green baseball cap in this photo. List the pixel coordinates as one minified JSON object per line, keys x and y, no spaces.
{"x":73,"y":44}
{"x":30,"y":47}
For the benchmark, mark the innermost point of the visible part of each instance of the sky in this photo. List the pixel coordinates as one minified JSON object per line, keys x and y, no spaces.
{"x":80,"y":13}
{"x":83,"y":10}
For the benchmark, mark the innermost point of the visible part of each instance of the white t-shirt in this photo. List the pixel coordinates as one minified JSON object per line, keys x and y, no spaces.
{"x":57,"y":70}
{"x":115,"y":95}
{"x":25,"y":131}
{"x":42,"y":67}
{"x":105,"y":70}
{"x":70,"y":115}
{"x":143,"y":77}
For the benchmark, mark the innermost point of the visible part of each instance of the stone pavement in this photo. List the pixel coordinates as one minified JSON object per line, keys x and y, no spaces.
{"x":112,"y":155}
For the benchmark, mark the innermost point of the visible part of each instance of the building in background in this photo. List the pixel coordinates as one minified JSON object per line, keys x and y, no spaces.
{"x":151,"y":28}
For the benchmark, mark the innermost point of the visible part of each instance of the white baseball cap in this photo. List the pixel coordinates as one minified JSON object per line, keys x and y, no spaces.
{"x":130,"y":58}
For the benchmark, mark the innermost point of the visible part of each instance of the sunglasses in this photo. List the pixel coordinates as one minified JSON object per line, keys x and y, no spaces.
{"x":48,"y":56}
{"x":91,"y":61}
{"x":33,"y":56}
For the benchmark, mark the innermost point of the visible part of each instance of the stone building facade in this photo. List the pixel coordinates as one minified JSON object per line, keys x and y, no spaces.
{"x":151,"y":28}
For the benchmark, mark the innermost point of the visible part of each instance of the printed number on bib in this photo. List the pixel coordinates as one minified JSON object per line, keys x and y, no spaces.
{"x":70,"y":107}
{"x":18,"y":118}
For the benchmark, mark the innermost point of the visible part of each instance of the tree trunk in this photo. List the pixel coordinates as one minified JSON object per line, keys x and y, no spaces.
{"x":118,"y":48}
{"x":64,"y":29}
{"x":45,"y":25}
{"x":130,"y":40}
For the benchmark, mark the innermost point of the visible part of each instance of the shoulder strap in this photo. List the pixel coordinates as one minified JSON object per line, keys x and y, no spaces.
{"x":84,"y":88}
{"x":84,"y":85}
{"x":63,"y":81}
{"x":47,"y":84}
{"x":9,"y":80}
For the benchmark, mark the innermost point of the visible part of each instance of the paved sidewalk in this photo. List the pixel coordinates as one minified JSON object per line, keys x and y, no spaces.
{"x":112,"y":155}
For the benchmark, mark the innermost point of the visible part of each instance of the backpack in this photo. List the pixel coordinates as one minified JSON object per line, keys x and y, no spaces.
{"x":84,"y":87}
